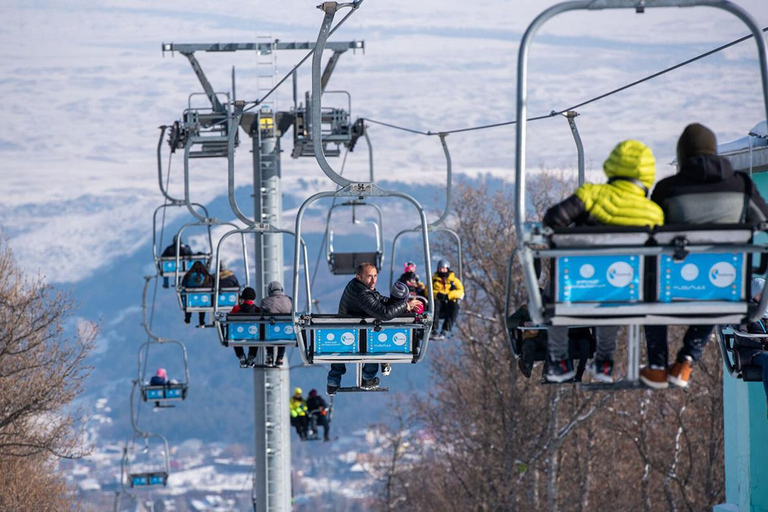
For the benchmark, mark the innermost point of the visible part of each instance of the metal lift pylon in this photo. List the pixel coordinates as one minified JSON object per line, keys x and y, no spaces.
{"x":272,"y":475}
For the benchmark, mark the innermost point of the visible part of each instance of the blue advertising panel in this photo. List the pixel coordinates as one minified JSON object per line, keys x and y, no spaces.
{"x":155,"y":394}
{"x":333,"y":341}
{"x":169,"y":266}
{"x":599,"y":278}
{"x":243,"y":331}
{"x":157,"y":479}
{"x":199,"y":300}
{"x":139,"y":480}
{"x":702,"y":277}
{"x":389,"y":340}
{"x":279,"y":331}
{"x":227,"y":299}
{"x":173,"y":393}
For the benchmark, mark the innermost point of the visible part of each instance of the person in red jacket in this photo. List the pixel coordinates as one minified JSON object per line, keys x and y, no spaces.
{"x":246,"y":307}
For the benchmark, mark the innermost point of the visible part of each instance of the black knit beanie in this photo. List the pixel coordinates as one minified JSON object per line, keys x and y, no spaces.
{"x":248,"y":294}
{"x":696,"y":139}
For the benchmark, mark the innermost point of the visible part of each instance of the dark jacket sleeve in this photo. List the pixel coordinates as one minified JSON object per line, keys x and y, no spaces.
{"x":373,"y":304}
{"x":564,"y":213}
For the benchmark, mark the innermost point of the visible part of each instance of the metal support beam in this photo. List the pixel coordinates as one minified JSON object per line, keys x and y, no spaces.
{"x":329,"y":67}
{"x":186,"y":48}
{"x":207,"y":87}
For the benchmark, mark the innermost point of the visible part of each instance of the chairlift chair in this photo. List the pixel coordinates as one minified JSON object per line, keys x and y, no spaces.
{"x":259,"y":329}
{"x":730,"y":339}
{"x":167,"y":265}
{"x":146,"y":473}
{"x":201,"y":299}
{"x":328,"y":338}
{"x":345,"y":263}
{"x":636,"y":276}
{"x":162,"y":395}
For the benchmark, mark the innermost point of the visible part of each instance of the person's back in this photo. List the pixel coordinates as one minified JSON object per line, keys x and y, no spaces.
{"x":160,"y":378}
{"x":706,"y":190}
{"x":197,"y":277}
{"x":184,"y":249}
{"x":246,"y":306}
{"x":227,"y":278}
{"x":276,"y":303}
{"x":622,"y":201}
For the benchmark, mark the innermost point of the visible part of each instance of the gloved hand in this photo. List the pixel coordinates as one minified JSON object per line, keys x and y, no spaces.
{"x":441,"y":296}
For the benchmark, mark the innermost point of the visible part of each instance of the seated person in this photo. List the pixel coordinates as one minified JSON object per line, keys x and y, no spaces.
{"x":534,"y":343}
{"x":622,"y":201}
{"x":299,"y":416}
{"x":399,"y":292}
{"x":705,"y":190}
{"x":184,"y":250}
{"x":412,"y":280}
{"x":197,"y":277}
{"x":160,"y":378}
{"x":246,"y":307}
{"x":318,"y":413}
{"x":448,"y":291}
{"x":753,"y":351}
{"x":277,"y":303}
{"x":227,"y":278}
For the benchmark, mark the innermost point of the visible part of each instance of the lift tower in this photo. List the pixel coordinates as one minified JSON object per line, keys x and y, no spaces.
{"x":265,"y":126}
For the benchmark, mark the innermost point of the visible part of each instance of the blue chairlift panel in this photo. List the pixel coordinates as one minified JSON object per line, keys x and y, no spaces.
{"x":139,"y":480}
{"x":148,"y":479}
{"x":243,"y":331}
{"x":389,"y":340}
{"x":279,"y":331}
{"x":155,"y":393}
{"x":333,"y":341}
{"x":173,"y":391}
{"x":227,"y":298}
{"x":169,"y":265}
{"x":611,"y":278}
{"x":702,"y":277}
{"x":198,"y":299}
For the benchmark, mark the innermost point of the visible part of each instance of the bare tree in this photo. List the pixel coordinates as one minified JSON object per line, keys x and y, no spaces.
{"x":41,"y":373}
{"x":497,"y":441}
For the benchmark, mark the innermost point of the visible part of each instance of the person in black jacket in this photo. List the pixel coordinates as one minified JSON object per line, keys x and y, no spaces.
{"x":184,"y":250}
{"x":705,"y":190}
{"x":318,"y":414}
{"x":752,"y":351}
{"x":360,"y":298}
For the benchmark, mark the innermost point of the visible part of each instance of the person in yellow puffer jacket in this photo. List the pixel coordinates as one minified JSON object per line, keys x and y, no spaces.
{"x":623,"y":201}
{"x":299,"y":416}
{"x":448,"y":291}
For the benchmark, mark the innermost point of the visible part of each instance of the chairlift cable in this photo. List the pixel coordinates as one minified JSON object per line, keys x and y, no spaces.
{"x":574,"y":107}
{"x":303,"y":60}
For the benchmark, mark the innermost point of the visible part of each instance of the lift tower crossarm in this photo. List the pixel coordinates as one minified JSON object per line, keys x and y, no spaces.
{"x":188,"y":48}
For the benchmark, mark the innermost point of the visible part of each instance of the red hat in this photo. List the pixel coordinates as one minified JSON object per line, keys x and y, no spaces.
{"x":409,"y":266}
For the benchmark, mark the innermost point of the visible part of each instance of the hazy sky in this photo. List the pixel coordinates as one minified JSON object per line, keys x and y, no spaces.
{"x":85,"y":86}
